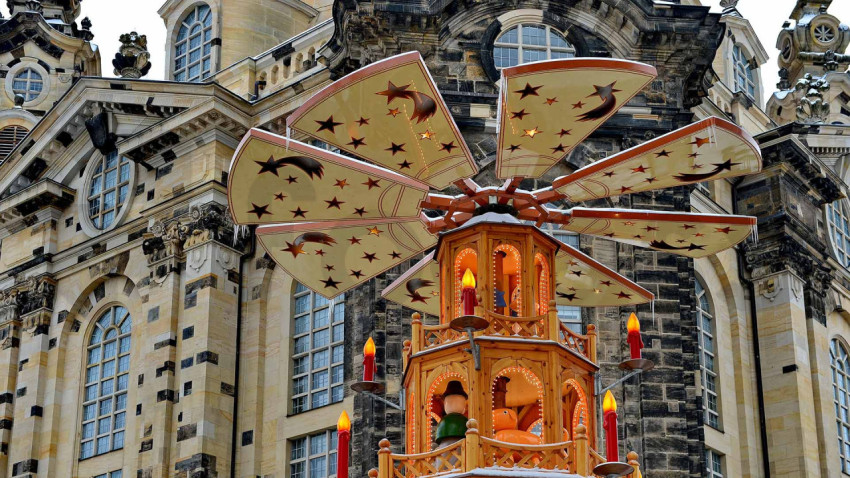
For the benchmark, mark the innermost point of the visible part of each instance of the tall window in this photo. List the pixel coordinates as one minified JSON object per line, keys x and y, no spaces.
{"x":10,"y":136}
{"x":713,"y":464}
{"x":744,"y":78}
{"x":568,"y":314}
{"x":318,"y":350}
{"x":193,"y":49}
{"x":313,"y":456}
{"x":839,"y":228}
{"x":108,"y":189}
{"x":705,"y":327}
{"x":106,"y":379}
{"x":111,"y":474}
{"x":29,"y":83}
{"x":528,"y":43}
{"x":841,"y":399}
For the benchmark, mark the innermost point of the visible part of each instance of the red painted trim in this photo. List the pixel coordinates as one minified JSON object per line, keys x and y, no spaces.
{"x":576,"y":63}
{"x":655,"y":144}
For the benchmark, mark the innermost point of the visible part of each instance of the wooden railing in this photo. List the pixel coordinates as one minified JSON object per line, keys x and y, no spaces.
{"x":475,"y":451}
{"x":543,"y":327}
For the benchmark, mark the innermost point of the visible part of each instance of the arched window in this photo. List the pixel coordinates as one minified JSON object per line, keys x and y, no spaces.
{"x":108,"y":189}
{"x":193,"y":47}
{"x":318,"y":352}
{"x":839,"y":229}
{"x":106,"y":379}
{"x":10,"y":136}
{"x":708,"y":367}
{"x":744,"y":78}
{"x":28,"y":83}
{"x":841,"y":399}
{"x":527,"y":43}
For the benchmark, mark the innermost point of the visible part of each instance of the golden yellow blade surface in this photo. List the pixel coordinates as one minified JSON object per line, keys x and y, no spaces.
{"x":392,"y":114}
{"x":418,"y":288}
{"x":273,"y":180}
{"x":583,"y":282}
{"x":685,"y":234}
{"x":704,"y":151}
{"x":549,"y":107}
{"x":332,"y":257}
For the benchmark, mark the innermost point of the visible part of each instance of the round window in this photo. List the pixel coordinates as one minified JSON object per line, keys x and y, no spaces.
{"x":527,"y":43}
{"x":109,"y":188}
{"x":824,"y":33}
{"x":29,"y":80}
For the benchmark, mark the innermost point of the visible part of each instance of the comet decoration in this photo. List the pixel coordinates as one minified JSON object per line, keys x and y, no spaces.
{"x":334,"y":221}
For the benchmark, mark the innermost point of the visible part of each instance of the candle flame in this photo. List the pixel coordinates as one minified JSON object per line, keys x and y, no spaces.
{"x":344,"y":423}
{"x":468,"y":279}
{"x":369,"y":348}
{"x":633,"y":325}
{"x":609,"y":404}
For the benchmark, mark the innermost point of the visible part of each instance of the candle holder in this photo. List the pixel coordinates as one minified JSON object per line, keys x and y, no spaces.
{"x":471,"y":324}
{"x":640,"y":365}
{"x":613,"y":469}
{"x":371,"y":387}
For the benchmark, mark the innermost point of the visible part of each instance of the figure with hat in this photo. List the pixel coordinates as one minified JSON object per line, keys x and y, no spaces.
{"x":452,"y":427}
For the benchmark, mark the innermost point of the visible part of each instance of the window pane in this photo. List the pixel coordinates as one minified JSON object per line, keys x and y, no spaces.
{"x":556,"y":40}
{"x":509,"y":36}
{"x":533,"y":55}
{"x":319,"y":399}
{"x":533,"y":35}
{"x":321,"y":338}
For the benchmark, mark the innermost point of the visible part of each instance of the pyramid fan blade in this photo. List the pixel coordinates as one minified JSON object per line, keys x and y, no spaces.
{"x":704,"y":151}
{"x":392,"y":114}
{"x":583,"y":282}
{"x":549,"y":107}
{"x":273,"y":180}
{"x":685,"y":234}
{"x":418,"y":288}
{"x":332,"y":257}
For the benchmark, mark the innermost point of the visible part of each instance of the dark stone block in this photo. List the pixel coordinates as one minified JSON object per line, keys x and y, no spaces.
{"x":228,"y":389}
{"x":198,"y":461}
{"x":248,"y":438}
{"x":153,"y":314}
{"x":163,"y":171}
{"x":187,"y":431}
{"x":147,"y":445}
{"x":26,"y":466}
{"x":165,"y":343}
{"x":189,"y":332}
{"x":6,"y":424}
{"x":166,"y":367}
{"x":207,"y":356}
{"x":166,"y":394}
{"x":36,"y":411}
{"x":7,"y":397}
{"x":187,"y":362}
{"x":21,"y":392}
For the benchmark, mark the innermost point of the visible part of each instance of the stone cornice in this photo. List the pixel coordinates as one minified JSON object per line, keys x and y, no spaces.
{"x":44,"y":193}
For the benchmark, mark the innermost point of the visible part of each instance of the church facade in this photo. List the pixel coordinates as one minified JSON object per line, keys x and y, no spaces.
{"x":143,"y":334}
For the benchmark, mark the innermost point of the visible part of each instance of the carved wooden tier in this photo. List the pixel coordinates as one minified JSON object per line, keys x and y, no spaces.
{"x":530,"y":363}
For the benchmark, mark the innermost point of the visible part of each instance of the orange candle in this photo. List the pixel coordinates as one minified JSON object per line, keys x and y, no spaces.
{"x":467,"y":296}
{"x":343,"y":433}
{"x":634,"y":339}
{"x":369,"y":361}
{"x":609,"y":424}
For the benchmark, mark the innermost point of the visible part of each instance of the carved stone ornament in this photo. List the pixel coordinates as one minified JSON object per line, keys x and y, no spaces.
{"x":811,"y":107}
{"x":9,"y":303}
{"x":133,"y":58}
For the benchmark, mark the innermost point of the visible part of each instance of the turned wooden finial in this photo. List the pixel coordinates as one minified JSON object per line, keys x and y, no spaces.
{"x":385,"y":446}
{"x":472,"y":426}
{"x":406,"y":345}
{"x":591,"y":329}
{"x":632,"y":457}
{"x":373,"y":473}
{"x":553,"y":304}
{"x":416,"y":317}
{"x":581,"y":430}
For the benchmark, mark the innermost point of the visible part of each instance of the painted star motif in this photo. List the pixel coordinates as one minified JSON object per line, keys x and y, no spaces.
{"x":604,"y":92}
{"x":357,"y":274}
{"x":576,"y":273}
{"x":519,"y":114}
{"x":696,"y":166}
{"x":426,"y":135}
{"x":532,"y":132}
{"x":608,"y":174}
{"x":559,"y":149}
{"x":370,"y":257}
{"x":298,"y":212}
{"x":639,"y":169}
{"x":396,"y":148}
{"x":362,"y":121}
{"x":334,"y":203}
{"x":330,"y":283}
{"x":392,"y":92}
{"x":724,"y":230}
{"x":650,"y":228}
{"x":663,"y":153}
{"x":374,"y":231}
{"x":372,"y":183}
{"x":279,"y":197}
{"x":725,"y":166}
{"x":271,"y":165}
{"x":260,"y":211}
{"x":623,"y":295}
{"x":294,"y":249}
{"x":606,"y":283}
{"x":447,"y":147}
{"x":395,"y":255}
{"x":688,"y":226}
{"x":354,"y":240}
{"x":329,"y":268}
{"x":360,"y":211}
{"x":628,"y":223}
{"x":699,"y":234}
{"x":512,"y":148}
{"x":319,"y":252}
{"x":328,"y":125}
{"x":696,"y":247}
{"x":292,"y":179}
{"x":404,"y":164}
{"x":638,"y":236}
{"x":563,"y":132}
{"x":357,"y":142}
{"x":393,"y":112}
{"x":700,"y":141}
{"x":651,"y":180}
{"x":551,"y":101}
{"x":625,"y":189}
{"x":578,"y":105}
{"x":609,"y":235}
{"x":693,"y":155}
{"x":569,"y":297}
{"x":528,"y":91}
{"x":341,"y":183}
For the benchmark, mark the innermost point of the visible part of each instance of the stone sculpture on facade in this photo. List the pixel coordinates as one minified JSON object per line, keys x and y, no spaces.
{"x":133,"y":58}
{"x":811,"y":107}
